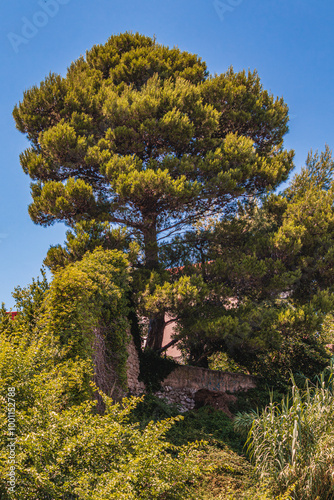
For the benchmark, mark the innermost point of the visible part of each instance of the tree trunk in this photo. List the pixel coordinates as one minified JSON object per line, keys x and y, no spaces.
{"x":151,"y":247}
{"x":156,"y":331}
{"x":157,"y":321}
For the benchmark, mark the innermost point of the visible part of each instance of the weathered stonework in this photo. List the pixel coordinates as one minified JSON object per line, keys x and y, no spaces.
{"x":193,"y":377}
{"x":135,"y":387}
{"x":105,"y":375}
{"x":183,"y":399}
{"x":180,"y":387}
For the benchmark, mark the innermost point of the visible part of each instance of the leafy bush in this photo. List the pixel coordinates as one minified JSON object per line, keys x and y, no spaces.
{"x":230,"y":471}
{"x":257,"y":398}
{"x":154,"y":369}
{"x":151,"y":408}
{"x":76,"y":454}
{"x":64,"y":449}
{"x":213,"y":426}
{"x":206,"y":424}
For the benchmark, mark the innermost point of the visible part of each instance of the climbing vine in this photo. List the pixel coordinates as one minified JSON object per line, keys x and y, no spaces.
{"x":90,"y":297}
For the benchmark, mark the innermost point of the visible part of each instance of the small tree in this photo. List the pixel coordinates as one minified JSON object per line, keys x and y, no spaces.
{"x":139,"y":135}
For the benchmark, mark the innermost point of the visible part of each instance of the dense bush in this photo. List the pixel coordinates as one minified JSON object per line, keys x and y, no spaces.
{"x":207,"y":424}
{"x":222,"y":446}
{"x":154,"y":369}
{"x":70,"y":452}
{"x":64,"y":449}
{"x":76,"y":454}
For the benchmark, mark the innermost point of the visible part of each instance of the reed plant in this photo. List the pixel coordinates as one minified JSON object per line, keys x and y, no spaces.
{"x":292,"y":443}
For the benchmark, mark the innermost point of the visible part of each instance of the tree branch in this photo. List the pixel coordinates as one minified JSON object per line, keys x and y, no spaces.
{"x":167,"y":346}
{"x":173,"y":320}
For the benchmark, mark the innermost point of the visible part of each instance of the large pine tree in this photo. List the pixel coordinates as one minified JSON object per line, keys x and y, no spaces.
{"x":140,"y":135}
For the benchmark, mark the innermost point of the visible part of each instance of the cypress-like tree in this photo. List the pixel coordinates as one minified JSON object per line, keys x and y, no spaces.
{"x":140,"y":135}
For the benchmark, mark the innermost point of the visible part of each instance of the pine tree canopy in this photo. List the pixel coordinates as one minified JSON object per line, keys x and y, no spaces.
{"x":142,"y":136}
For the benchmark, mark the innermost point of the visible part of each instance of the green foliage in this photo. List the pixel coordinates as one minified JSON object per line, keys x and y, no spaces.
{"x":212,"y":426}
{"x":172,"y":296}
{"x":229,"y":471}
{"x":154,"y":369}
{"x":85,"y":237}
{"x":151,"y":408}
{"x":220,"y":361}
{"x":298,"y":344}
{"x":291,"y":444}
{"x":256,"y":399}
{"x":64,"y":449}
{"x":76,"y":454}
{"x":230,"y":478}
{"x":305,"y":239}
{"x":86,"y":296}
{"x":28,"y":302}
{"x":43,"y":387}
{"x":268,"y":281}
{"x":255,"y":493}
{"x":246,"y":108}
{"x":327,"y":329}
{"x":266,"y":339}
{"x":318,"y":172}
{"x":139,"y":135}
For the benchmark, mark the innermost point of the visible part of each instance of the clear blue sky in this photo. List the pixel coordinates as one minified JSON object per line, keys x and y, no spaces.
{"x":289,"y":42}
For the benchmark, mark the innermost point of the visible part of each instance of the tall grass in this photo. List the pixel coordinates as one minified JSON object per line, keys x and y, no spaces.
{"x":292,"y":443}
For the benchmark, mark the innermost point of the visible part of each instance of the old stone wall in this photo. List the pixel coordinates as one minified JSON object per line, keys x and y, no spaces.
{"x":193,"y":377}
{"x":135,"y":387}
{"x":105,"y":374}
{"x":180,"y":387}
{"x":184,"y":398}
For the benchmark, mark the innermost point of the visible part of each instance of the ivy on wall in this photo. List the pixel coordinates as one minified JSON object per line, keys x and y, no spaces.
{"x":86,"y":297}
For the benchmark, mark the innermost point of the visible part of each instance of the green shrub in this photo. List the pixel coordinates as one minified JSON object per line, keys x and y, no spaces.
{"x":257,"y":398}
{"x":213,"y":426}
{"x":65,"y":450}
{"x":229,"y":470}
{"x":152,"y":408}
{"x":76,"y":454}
{"x":154,"y":369}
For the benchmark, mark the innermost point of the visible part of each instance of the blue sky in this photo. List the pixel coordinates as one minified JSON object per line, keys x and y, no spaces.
{"x":289,"y":42}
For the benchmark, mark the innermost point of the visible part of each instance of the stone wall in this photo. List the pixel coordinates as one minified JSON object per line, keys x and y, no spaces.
{"x":193,"y":377}
{"x":135,"y":387}
{"x":184,"y":399}
{"x":105,"y":374}
{"x":180,"y":387}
